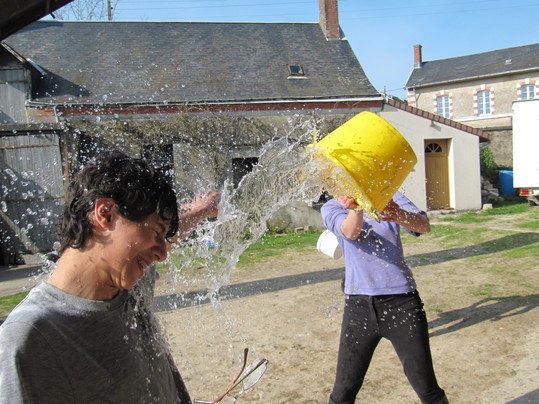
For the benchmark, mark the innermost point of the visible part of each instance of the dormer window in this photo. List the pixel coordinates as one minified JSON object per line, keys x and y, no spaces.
{"x":296,"y":71}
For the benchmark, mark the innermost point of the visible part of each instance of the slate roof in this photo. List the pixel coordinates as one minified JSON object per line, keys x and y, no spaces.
{"x":488,"y":64}
{"x":134,"y":62}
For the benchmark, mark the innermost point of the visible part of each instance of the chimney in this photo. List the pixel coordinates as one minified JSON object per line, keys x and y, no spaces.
{"x":329,"y":18}
{"x":418,"y":57}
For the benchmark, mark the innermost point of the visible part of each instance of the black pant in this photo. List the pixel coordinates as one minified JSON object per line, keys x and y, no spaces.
{"x":402,"y":320}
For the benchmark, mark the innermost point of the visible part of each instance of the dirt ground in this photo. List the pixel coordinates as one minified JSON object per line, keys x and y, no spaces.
{"x":485,"y":349}
{"x":485,"y":346}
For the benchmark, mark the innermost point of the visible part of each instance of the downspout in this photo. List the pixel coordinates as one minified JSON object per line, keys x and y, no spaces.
{"x":55,"y":109}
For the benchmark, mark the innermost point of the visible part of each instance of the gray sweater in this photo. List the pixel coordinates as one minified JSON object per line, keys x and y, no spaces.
{"x":59,"y":348}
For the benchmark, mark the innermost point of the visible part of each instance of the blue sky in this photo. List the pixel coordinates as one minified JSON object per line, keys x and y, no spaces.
{"x":381,"y":33}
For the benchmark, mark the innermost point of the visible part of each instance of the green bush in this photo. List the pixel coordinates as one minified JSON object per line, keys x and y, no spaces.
{"x":488,"y":164}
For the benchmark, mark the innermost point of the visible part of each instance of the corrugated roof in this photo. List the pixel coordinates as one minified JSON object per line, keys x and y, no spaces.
{"x":503,"y":61}
{"x":133,"y":62}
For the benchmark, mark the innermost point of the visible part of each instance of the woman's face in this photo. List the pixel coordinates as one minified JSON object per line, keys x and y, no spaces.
{"x":133,"y":247}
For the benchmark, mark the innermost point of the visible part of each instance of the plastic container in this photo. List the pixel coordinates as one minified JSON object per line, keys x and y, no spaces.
{"x":373,"y":157}
{"x":506,"y":183}
{"x":329,"y":245}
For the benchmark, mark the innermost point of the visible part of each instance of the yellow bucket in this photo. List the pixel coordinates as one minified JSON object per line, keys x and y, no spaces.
{"x":372,"y":160}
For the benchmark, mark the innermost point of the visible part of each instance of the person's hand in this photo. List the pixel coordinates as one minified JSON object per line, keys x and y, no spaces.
{"x":205,"y":204}
{"x":391,"y":212}
{"x":416,"y":222}
{"x":347,"y":202}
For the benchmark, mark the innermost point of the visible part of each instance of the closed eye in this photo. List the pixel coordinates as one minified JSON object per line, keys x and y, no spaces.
{"x":160,"y":231}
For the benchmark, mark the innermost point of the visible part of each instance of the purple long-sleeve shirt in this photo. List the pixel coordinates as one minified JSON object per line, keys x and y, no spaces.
{"x":374,"y":262}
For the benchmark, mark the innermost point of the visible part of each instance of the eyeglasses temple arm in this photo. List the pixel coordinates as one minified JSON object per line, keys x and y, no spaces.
{"x":234,"y":383}
{"x":245,"y":353}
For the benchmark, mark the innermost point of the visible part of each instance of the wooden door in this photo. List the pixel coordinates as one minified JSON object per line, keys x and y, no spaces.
{"x":31,"y":193}
{"x":437,"y":173}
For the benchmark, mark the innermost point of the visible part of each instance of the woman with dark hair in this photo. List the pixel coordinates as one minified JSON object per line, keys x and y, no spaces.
{"x":87,"y":334}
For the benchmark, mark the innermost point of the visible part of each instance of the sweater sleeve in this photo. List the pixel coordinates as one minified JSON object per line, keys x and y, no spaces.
{"x":333,"y":214}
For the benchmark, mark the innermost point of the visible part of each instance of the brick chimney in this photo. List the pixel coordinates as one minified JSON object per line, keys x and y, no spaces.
{"x":329,"y":18}
{"x":418,"y":57}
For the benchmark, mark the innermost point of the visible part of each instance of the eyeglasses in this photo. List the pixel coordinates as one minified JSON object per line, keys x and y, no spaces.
{"x":248,"y":377}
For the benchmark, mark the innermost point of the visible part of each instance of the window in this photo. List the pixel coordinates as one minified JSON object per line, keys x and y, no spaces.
{"x":528,"y":92}
{"x":483,"y":102}
{"x":241,"y":167}
{"x":442,"y":105}
{"x":433,"y":148}
{"x":296,"y":71}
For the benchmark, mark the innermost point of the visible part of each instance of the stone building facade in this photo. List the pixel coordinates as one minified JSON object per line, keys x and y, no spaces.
{"x":478,"y":90}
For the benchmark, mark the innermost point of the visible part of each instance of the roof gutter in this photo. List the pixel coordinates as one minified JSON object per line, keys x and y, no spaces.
{"x":37,"y":104}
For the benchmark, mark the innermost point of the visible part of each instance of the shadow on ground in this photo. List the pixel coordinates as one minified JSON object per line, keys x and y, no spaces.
{"x":235,"y":291}
{"x":529,"y":398}
{"x":239,"y":290}
{"x":500,"y":244}
{"x":493,"y":309}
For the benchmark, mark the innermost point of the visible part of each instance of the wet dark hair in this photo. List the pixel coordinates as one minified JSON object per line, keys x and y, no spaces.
{"x":138,"y":190}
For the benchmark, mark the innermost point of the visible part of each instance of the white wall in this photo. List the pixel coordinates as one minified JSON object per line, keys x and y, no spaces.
{"x":464,"y":174}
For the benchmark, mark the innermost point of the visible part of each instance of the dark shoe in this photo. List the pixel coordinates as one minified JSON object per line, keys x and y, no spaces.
{"x":443,"y":400}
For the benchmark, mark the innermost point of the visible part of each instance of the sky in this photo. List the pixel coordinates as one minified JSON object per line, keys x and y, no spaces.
{"x":381,"y":33}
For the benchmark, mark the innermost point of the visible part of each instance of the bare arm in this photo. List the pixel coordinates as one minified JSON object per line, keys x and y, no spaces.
{"x":352,"y":225}
{"x":202,"y":207}
{"x":412,"y":221}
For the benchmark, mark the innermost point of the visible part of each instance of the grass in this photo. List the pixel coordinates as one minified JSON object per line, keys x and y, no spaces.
{"x":505,"y":245}
{"x":448,"y":236}
{"x":509,"y":206}
{"x":7,"y":303}
{"x":271,"y":245}
{"x":485,"y":290}
{"x":274,"y":245}
{"x":500,"y":245}
{"x":529,"y":225}
{"x":522,"y":252}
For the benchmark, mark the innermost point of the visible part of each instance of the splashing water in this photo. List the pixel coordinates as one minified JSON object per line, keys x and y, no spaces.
{"x":286,"y":172}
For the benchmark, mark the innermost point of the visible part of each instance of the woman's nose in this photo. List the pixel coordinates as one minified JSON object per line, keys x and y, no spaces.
{"x":160,"y":251}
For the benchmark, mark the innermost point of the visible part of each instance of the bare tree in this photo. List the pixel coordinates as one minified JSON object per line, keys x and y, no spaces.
{"x":88,"y":10}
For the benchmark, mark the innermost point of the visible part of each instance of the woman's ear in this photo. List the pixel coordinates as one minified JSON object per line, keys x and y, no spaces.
{"x":104,"y":211}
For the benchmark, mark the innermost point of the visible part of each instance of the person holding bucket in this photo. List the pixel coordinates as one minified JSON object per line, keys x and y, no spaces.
{"x":381,"y":297}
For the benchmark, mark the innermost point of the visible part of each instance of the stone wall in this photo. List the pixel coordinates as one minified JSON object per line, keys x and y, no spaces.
{"x":502,"y":146}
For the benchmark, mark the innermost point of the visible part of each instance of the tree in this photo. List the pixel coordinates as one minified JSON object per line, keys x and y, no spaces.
{"x":88,"y":10}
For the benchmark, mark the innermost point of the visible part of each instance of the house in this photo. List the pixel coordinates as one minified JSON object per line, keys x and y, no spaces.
{"x":199,"y":99}
{"x":478,"y":90}
{"x":447,"y":174}
{"x":169,"y":91}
